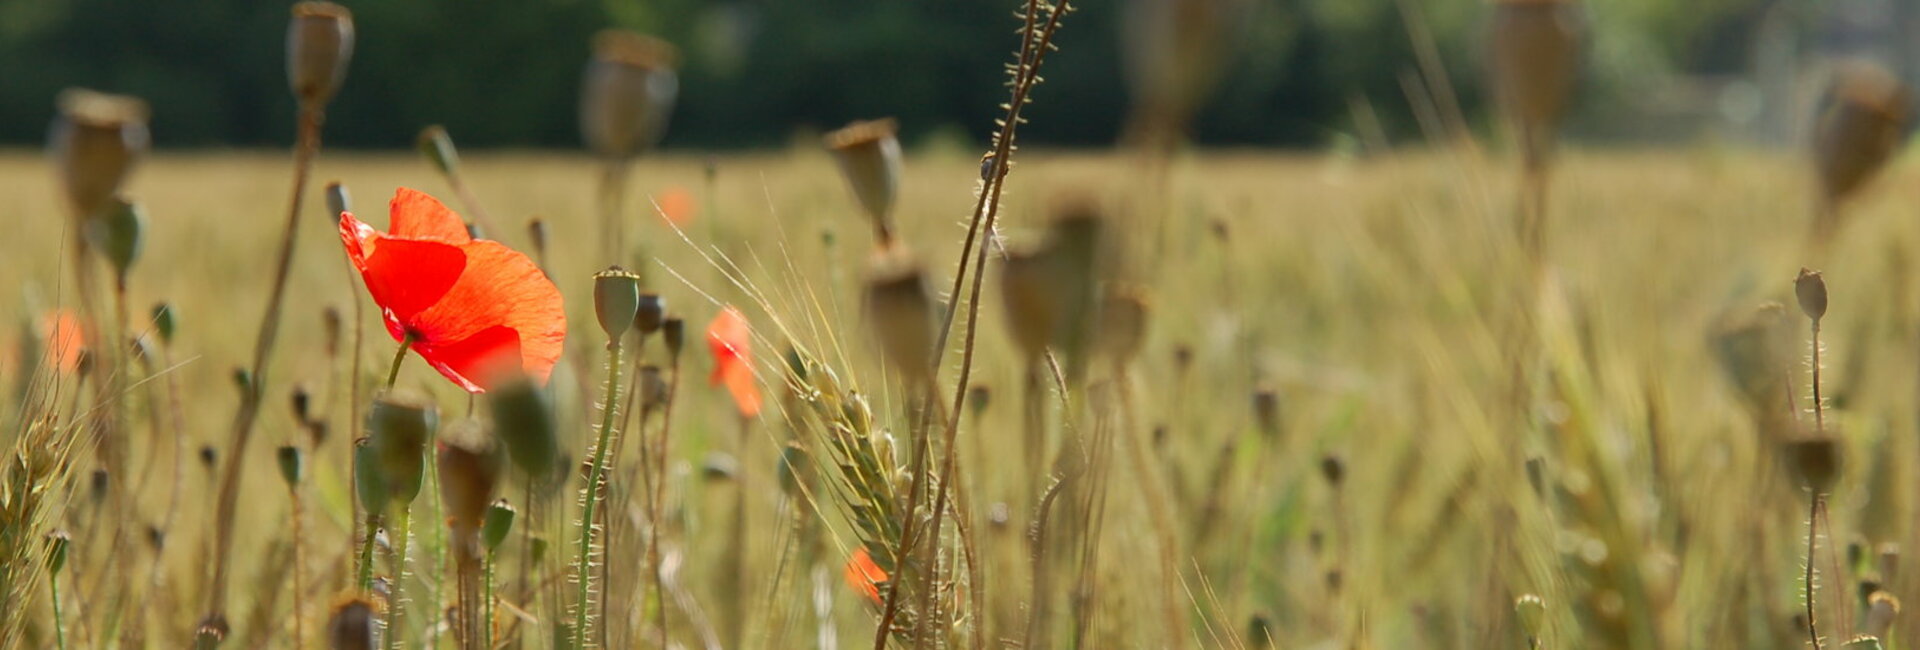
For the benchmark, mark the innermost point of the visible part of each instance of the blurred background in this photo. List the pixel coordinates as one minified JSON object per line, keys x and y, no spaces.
{"x":505,"y":73}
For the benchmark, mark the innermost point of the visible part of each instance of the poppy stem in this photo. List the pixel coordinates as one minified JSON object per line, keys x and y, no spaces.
{"x":400,"y":355}
{"x":583,"y":567}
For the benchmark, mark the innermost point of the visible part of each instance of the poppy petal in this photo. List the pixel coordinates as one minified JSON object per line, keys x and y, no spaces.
{"x":474,"y":363}
{"x":416,"y":215}
{"x":404,"y":276}
{"x":745,"y":391}
{"x":500,"y":288}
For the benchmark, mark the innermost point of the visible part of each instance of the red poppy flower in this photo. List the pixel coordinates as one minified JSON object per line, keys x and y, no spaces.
{"x":475,"y":309}
{"x":65,"y":338}
{"x":864,"y":576}
{"x":731,"y":341}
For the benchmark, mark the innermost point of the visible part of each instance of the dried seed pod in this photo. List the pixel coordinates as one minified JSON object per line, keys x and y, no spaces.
{"x":1123,"y":323}
{"x":652,"y":313}
{"x":1882,"y":610}
{"x":1536,"y":49}
{"x":616,"y":299}
{"x":97,"y":139}
{"x":353,"y":625}
{"x":1075,"y":268}
{"x":1024,"y":292}
{"x":1811,"y":290}
{"x":674,"y":330}
{"x":654,"y":391}
{"x":1865,"y":115}
{"x":1816,"y":462}
{"x":629,"y":89}
{"x":523,"y":419}
{"x":901,"y":313}
{"x":469,"y":474}
{"x":1333,"y":469}
{"x":868,"y":154}
{"x":319,"y":45}
{"x":1175,"y":52}
{"x":437,"y":145}
{"x":400,"y":425}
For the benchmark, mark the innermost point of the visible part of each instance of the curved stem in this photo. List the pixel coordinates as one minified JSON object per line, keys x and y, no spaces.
{"x":583,"y":569}
{"x":400,"y":355}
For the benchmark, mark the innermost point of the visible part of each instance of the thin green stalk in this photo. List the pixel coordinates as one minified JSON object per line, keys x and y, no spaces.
{"x":59,"y":622}
{"x":400,"y":355}
{"x":486,"y":606}
{"x":583,"y":570}
{"x":397,"y":613}
{"x":299,"y":579}
{"x":366,"y":552}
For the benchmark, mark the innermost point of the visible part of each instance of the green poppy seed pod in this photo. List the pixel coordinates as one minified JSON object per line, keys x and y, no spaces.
{"x":868,"y":154}
{"x":1536,"y":49}
{"x":1026,"y":298}
{"x":319,"y":45}
{"x":57,"y":543}
{"x":96,"y":141}
{"x":353,"y":625}
{"x":498,"y":522}
{"x":1882,"y":609}
{"x":400,"y":425}
{"x":674,"y":330}
{"x":1816,"y":462}
{"x":1531,"y":612}
{"x":523,"y":419}
{"x":1259,"y":632}
{"x":616,"y":299}
{"x":539,"y":550}
{"x":469,"y":467}
{"x":162,"y":314}
{"x":339,"y":201}
{"x":211,"y":631}
{"x":1865,"y":114}
{"x":368,"y":483}
{"x":1811,"y":290}
{"x":437,"y":146}
{"x":979,"y":396}
{"x":1266,"y":410}
{"x":1123,"y":323}
{"x":652,"y":312}
{"x":900,"y":312}
{"x":293,"y":464}
{"x":628,"y":90}
{"x":118,"y":233}
{"x":796,"y":367}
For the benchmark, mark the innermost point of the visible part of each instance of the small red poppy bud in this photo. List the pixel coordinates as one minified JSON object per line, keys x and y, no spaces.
{"x":319,"y":45}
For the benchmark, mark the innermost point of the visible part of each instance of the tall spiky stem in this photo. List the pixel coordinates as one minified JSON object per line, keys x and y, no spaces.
{"x":396,"y":612}
{"x":657,"y":501}
{"x":1813,"y":516}
{"x":590,"y":498}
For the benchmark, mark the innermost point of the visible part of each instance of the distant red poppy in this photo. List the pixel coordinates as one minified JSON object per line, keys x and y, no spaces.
{"x":677,"y":205}
{"x":476,"y":310}
{"x":731,"y":341}
{"x":864,"y":576}
{"x":65,"y":337}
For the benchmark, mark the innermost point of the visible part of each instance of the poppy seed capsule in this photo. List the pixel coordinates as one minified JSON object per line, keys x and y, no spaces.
{"x":118,"y":232}
{"x":437,"y":146}
{"x":654,"y":391}
{"x":1026,"y":298}
{"x":653,"y":311}
{"x":1531,"y":610}
{"x":97,"y":139}
{"x":498,"y":522}
{"x":628,"y":91}
{"x":1075,"y":267}
{"x":1816,"y":462}
{"x":293,"y":464}
{"x":368,"y":485}
{"x":523,"y":420}
{"x":901,"y":314}
{"x":979,"y":396}
{"x":400,"y":425}
{"x":1882,"y":609}
{"x":339,"y":201}
{"x":1866,"y":112}
{"x":616,"y":299}
{"x":57,"y":543}
{"x":674,"y":330}
{"x":319,"y":45}
{"x":868,"y":154}
{"x":469,"y":473}
{"x":1811,"y":289}
{"x":352,"y":626}
{"x":1535,"y":57}
{"x":163,"y":321}
{"x":1123,"y":323}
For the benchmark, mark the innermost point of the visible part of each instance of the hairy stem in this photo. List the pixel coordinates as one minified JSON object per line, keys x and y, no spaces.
{"x":583,"y":568}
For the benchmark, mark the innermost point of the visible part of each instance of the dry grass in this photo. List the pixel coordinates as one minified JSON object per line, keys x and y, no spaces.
{"x":1377,"y":296}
